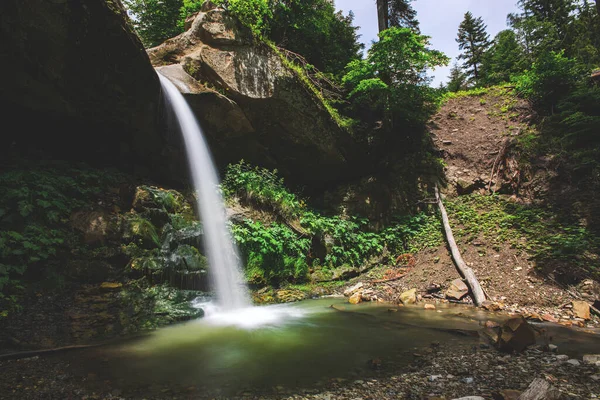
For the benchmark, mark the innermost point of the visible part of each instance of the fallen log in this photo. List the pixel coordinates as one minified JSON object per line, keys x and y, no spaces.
{"x":466,"y":272}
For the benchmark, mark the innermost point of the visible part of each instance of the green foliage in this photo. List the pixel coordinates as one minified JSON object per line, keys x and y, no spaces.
{"x":254,"y":14}
{"x":35,"y":207}
{"x":474,"y":41}
{"x":504,"y":59}
{"x":312,"y":28}
{"x":261,"y":187}
{"x":188,"y":8}
{"x":550,"y":79}
{"x":275,"y":253}
{"x":458,"y":79}
{"x":390,"y":85}
{"x":156,"y":20}
{"x":539,"y":232}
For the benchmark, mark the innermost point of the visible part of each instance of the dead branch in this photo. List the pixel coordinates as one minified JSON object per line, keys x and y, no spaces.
{"x":463,"y":269}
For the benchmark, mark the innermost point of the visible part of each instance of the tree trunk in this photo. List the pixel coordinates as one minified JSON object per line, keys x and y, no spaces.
{"x":463,"y":269}
{"x":382,"y":14}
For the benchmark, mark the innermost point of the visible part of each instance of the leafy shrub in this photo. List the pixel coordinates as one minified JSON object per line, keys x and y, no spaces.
{"x":261,"y":187}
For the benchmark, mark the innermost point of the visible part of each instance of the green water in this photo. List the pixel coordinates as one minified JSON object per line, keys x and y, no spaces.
{"x":308,"y":343}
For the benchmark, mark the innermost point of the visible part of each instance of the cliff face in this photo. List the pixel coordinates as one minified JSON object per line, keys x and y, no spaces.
{"x":250,"y":104}
{"x":77,"y":84}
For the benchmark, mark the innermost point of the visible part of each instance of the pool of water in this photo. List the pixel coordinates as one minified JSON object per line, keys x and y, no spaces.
{"x":300,"y":344}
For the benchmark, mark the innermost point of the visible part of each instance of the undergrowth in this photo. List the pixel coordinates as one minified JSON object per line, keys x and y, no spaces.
{"x":544,"y":235}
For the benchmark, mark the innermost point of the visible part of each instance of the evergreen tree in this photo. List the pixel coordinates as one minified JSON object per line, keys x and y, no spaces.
{"x":544,"y":25}
{"x":504,"y":59}
{"x":458,"y":80}
{"x":474,"y":41}
{"x":397,"y":13}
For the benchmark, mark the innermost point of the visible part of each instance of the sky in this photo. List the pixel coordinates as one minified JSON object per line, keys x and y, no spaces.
{"x":439,"y":19}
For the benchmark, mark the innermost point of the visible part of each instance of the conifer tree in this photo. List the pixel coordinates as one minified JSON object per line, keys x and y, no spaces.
{"x":397,"y":13}
{"x":474,"y":41}
{"x":458,"y":80}
{"x":504,"y":59}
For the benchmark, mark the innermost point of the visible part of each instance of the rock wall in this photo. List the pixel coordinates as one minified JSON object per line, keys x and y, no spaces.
{"x":77,"y":84}
{"x":251,"y":105}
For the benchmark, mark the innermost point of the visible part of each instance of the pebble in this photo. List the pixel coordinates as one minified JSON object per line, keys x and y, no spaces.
{"x":433,"y":378}
{"x":562,"y":357}
{"x":574,"y":362}
{"x":553,"y":348}
{"x":468,"y":380}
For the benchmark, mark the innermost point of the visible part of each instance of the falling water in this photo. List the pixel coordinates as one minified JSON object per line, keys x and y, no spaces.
{"x":225,"y":270}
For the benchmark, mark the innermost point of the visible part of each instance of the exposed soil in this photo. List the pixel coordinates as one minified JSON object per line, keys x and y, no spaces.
{"x":472,"y":133}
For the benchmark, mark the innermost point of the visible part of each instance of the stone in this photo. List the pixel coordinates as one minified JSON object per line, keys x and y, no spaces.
{"x":468,"y":380}
{"x":353,"y":289}
{"x":553,"y":348}
{"x":355,"y":298}
{"x":491,"y":306}
{"x":591,"y":358}
{"x":581,"y":309}
{"x":491,"y":324}
{"x":368,"y":295}
{"x":507,"y":394}
{"x":574,"y":362}
{"x":533,"y":317}
{"x":540,"y":389}
{"x":516,"y":335}
{"x":409,"y":297}
{"x":429,"y":307}
{"x":562,"y":357}
{"x":433,"y":378}
{"x":457,"y":290}
{"x":470,"y":398}
{"x":549,"y":318}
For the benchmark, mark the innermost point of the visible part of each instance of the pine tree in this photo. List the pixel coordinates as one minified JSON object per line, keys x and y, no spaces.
{"x":397,"y":13}
{"x":504,"y":59}
{"x":458,"y":80}
{"x":474,"y":41}
{"x":544,"y":25}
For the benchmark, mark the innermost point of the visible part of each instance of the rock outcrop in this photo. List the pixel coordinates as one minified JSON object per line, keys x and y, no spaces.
{"x":252,"y":105}
{"x":77,"y":84}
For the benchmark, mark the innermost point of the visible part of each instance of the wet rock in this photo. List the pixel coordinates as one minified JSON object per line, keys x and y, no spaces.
{"x":470,"y":398}
{"x":591,"y":358}
{"x":288,"y":296}
{"x":458,"y":289}
{"x":581,"y":309}
{"x":516,"y":335}
{"x":533,"y":317}
{"x":491,"y":324}
{"x":540,"y":389}
{"x":353,"y":289}
{"x":355,"y":298}
{"x":553,"y":348}
{"x":429,"y":307}
{"x":409,"y":297}
{"x":549,"y":318}
{"x":491,"y":306}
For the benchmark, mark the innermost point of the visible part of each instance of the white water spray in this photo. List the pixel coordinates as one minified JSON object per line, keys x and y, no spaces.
{"x":225,"y":269}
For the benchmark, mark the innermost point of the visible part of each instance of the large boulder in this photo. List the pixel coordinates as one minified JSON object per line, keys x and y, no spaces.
{"x":78,"y":84}
{"x":251,"y":104}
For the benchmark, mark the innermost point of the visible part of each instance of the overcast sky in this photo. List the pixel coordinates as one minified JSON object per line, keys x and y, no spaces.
{"x":438,"y":18}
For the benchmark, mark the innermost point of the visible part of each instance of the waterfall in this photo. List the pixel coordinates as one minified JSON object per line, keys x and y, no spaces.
{"x":225,"y":270}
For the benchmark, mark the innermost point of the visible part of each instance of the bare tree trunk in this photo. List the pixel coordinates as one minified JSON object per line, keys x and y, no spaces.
{"x":598,"y":7}
{"x":465,"y":271}
{"x":382,"y":14}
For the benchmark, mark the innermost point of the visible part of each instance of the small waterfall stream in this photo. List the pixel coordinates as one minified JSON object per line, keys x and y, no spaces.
{"x":225,"y":270}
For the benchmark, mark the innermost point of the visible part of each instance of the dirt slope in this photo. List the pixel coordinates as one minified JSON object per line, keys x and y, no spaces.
{"x":475,"y":135}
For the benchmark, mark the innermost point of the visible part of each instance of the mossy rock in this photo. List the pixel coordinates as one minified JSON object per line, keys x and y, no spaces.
{"x":290,"y":295}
